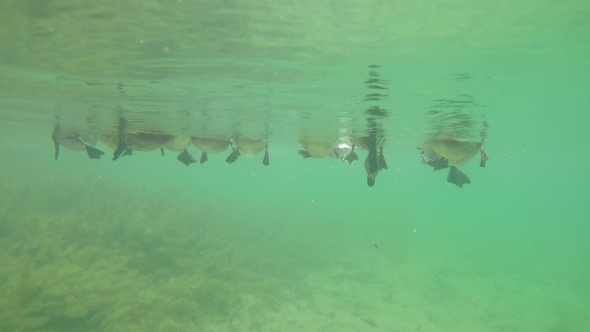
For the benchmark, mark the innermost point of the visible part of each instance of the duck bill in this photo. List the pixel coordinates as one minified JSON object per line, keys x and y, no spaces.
{"x":371,"y":179}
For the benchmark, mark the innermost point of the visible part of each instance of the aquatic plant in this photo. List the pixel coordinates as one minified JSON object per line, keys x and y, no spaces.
{"x":88,"y":255}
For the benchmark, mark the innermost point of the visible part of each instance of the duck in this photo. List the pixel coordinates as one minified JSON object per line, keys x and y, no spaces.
{"x":76,"y":141}
{"x":125,"y":142}
{"x":179,"y":143}
{"x":445,"y":152}
{"x":147,"y":140}
{"x":317,"y":147}
{"x":209,"y":145}
{"x":251,"y":146}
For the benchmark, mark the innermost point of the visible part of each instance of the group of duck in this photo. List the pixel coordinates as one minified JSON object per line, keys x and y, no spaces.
{"x":125,"y":142}
{"x":439,"y":152}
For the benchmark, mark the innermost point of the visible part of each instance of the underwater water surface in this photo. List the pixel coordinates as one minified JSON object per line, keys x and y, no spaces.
{"x":294,"y":165}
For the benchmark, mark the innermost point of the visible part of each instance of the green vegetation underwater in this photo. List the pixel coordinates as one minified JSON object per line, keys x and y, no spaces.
{"x":256,"y":165}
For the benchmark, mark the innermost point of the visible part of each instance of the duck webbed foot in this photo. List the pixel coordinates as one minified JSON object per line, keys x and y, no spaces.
{"x":437,"y":162}
{"x":381,"y":160}
{"x":484,"y":157}
{"x":186,"y":158}
{"x":122,"y":153}
{"x":352,"y":156}
{"x":122,"y":149}
{"x":457,"y":177}
{"x":304,"y":153}
{"x":93,"y":153}
{"x":203,"y":157}
{"x":423,"y":158}
{"x":266,"y":159}
{"x":56,"y":147}
{"x":233,"y":156}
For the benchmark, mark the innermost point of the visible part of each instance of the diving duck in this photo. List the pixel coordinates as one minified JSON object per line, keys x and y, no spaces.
{"x":375,"y":160}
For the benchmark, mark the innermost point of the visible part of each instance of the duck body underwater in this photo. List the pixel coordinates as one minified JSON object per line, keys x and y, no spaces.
{"x":76,"y":141}
{"x":441,"y":153}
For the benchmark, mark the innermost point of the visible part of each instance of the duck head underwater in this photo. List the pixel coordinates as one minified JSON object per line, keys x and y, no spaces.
{"x":375,"y":161}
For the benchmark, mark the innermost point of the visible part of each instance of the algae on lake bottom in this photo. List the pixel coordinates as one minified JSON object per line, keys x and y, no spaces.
{"x":86,"y":255}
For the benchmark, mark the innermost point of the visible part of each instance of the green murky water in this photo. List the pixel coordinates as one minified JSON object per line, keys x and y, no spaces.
{"x":145,"y":243}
